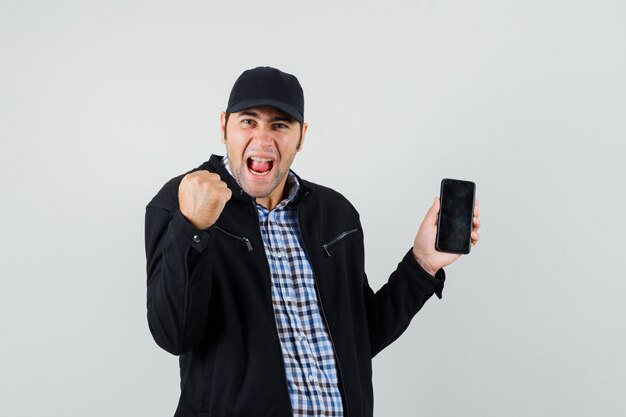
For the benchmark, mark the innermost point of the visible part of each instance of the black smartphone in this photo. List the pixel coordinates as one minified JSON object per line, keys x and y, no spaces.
{"x":456,"y":214}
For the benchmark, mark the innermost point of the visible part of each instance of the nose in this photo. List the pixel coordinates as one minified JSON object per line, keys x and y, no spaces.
{"x":263,"y":137}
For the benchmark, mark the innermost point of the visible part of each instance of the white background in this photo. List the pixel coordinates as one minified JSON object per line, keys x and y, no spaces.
{"x":102,"y":102}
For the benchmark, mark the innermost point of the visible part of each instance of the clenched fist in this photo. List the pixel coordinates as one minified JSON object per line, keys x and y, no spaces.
{"x":202,"y":196}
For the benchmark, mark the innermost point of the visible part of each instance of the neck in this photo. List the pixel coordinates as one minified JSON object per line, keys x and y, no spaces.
{"x":271,"y":201}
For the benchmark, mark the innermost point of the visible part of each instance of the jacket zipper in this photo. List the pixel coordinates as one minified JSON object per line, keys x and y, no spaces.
{"x":337,"y":239}
{"x":332,"y":341}
{"x":242,"y":239}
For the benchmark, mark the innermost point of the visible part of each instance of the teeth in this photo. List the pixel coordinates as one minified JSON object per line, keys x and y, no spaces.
{"x":259,"y":174}
{"x":259,"y":159}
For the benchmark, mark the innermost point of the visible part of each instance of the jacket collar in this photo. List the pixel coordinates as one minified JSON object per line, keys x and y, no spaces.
{"x":214,"y":164}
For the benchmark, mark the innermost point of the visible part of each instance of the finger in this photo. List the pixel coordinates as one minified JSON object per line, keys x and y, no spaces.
{"x":476,"y":212}
{"x":476,"y":223}
{"x":213,"y":176}
{"x":475,"y":238}
{"x":199,"y":177}
{"x":431,"y":215}
{"x":476,"y":201}
{"x":219,"y":184}
{"x":225,"y":194}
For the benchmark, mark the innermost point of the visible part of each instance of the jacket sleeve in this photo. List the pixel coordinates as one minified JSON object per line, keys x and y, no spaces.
{"x":177,"y":297}
{"x":391,"y":308}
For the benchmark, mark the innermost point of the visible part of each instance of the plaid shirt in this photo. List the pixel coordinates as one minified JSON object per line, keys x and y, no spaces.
{"x":307,"y":350}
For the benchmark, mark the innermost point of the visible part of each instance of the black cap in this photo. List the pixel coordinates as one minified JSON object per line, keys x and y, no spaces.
{"x":267,"y":86}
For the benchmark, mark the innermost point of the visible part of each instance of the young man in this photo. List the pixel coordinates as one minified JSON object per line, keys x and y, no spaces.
{"x":256,"y":277}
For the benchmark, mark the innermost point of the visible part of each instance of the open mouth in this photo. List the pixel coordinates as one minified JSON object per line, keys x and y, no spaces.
{"x":259,"y":166}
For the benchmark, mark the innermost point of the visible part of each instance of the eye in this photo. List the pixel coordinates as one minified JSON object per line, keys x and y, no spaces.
{"x":281,"y":126}
{"x":247,"y":121}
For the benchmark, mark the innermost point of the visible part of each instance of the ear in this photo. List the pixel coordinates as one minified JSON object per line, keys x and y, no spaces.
{"x":223,"y":126}
{"x":305,"y":126}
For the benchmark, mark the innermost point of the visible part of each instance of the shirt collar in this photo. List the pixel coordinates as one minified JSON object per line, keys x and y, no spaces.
{"x":292,"y":185}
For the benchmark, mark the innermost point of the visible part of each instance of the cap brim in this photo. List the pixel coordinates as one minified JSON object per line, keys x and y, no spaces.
{"x":286,"y":108}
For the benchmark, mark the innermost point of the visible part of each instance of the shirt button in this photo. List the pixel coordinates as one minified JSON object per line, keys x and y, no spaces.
{"x":300,"y":337}
{"x":278,"y":254}
{"x":196,"y":238}
{"x":311,"y":378}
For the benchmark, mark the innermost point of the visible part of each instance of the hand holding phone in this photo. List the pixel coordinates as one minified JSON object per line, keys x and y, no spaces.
{"x":456,"y":213}
{"x":436,"y":244}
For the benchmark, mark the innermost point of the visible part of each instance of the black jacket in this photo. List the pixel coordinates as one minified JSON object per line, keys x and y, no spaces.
{"x":209,"y":301}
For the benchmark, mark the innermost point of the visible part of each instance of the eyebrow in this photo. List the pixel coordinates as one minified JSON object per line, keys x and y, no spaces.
{"x":248,"y":113}
{"x":282,"y":118}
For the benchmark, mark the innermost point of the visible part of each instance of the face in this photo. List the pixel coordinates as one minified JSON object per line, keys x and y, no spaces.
{"x":261,"y":143}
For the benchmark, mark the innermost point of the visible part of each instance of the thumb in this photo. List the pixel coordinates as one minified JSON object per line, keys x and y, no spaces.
{"x":431,"y":217}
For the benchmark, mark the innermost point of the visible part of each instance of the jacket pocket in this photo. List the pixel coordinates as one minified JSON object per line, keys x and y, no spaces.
{"x":243,"y":240}
{"x":326,"y":246}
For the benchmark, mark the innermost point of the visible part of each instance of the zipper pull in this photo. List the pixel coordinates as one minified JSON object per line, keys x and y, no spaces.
{"x":326,"y":251}
{"x":247,"y":242}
